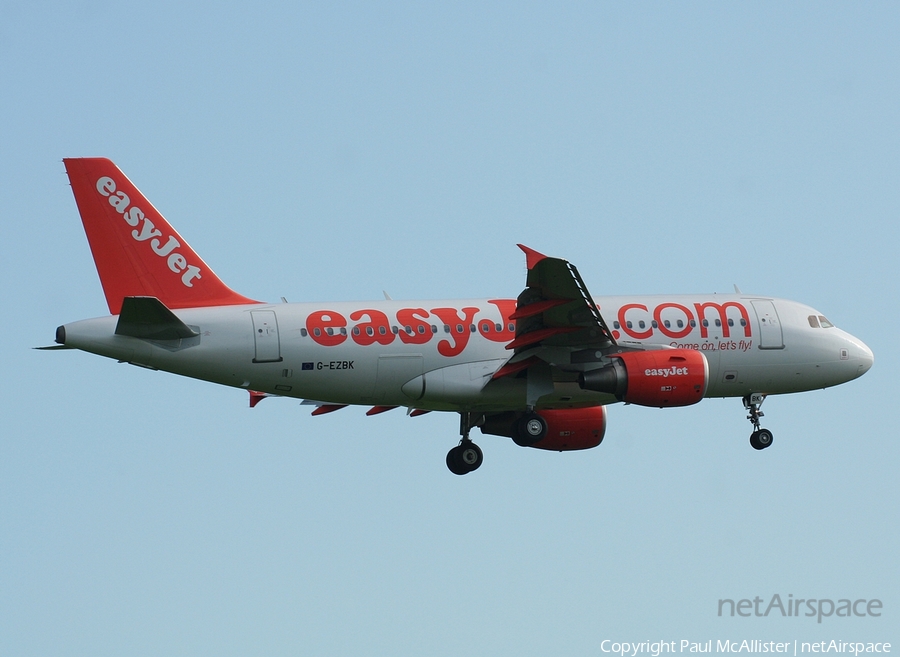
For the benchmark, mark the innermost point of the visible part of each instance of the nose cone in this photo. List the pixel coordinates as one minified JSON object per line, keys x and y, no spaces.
{"x":856,"y":356}
{"x":866,"y":358}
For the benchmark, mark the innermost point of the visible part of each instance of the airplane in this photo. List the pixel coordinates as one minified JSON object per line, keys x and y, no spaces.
{"x":540,"y":368}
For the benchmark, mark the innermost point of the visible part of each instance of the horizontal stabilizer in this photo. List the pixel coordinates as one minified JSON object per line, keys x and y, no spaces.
{"x":148,"y":319}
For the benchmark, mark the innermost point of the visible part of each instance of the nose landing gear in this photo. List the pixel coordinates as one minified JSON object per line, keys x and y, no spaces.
{"x":467,"y":456}
{"x":760,"y":438}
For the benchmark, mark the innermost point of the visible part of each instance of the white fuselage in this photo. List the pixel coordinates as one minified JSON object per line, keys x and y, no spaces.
{"x":363,"y":352}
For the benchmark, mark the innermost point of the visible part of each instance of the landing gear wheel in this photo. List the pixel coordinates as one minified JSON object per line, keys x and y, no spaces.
{"x":529,"y":429}
{"x":454,"y":462}
{"x":471,"y":455}
{"x":467,"y":456}
{"x":464,"y":458}
{"x":761,"y":439}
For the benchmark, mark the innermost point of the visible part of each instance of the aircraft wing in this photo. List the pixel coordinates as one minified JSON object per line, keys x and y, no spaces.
{"x":557,"y":321}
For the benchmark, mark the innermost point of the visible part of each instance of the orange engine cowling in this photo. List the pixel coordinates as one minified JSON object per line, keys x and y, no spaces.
{"x":566,"y":429}
{"x":664,"y":377}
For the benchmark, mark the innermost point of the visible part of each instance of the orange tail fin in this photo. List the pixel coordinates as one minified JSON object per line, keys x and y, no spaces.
{"x":136,"y":251}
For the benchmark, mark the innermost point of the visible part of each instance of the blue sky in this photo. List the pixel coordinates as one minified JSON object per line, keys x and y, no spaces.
{"x":332,"y":152}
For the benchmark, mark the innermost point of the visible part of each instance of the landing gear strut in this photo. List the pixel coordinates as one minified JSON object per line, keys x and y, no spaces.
{"x":760,"y":438}
{"x":467,"y":456}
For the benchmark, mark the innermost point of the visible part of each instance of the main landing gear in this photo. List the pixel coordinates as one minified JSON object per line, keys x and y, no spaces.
{"x":760,"y":438}
{"x":467,"y":456}
{"x":530,"y":428}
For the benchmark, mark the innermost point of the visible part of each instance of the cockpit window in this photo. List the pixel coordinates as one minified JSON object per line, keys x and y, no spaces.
{"x":813,"y":321}
{"x":825,"y":322}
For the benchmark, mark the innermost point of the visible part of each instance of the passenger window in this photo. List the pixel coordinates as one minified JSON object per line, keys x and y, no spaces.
{"x":616,"y":325}
{"x":317,"y":331}
{"x":641,"y":324}
{"x":486,"y":327}
{"x":329,"y":331}
{"x":511,"y":326}
{"x":459,"y":328}
{"x":370,"y":330}
{"x":667,"y":324}
{"x":408,"y":330}
{"x":304,"y":332}
{"x":446,"y":328}
{"x":395,"y":330}
{"x":825,"y":322}
{"x":730,"y":322}
{"x":343,"y":331}
{"x":654,"y":324}
{"x":355,"y":330}
{"x":472,"y":328}
{"x":743,"y":322}
{"x":693,"y":323}
{"x":813,"y":321}
{"x":718,"y":322}
{"x":421,"y":330}
{"x":628,"y":323}
{"x":382,"y":330}
{"x":499,"y":327}
{"x":705,"y":322}
{"x":433,"y":328}
{"x":680,"y":323}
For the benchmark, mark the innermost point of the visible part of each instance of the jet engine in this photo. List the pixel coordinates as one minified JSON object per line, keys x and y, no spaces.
{"x":661,"y":378}
{"x":560,"y":430}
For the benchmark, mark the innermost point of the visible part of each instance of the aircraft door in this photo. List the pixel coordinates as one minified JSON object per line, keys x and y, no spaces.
{"x":770,"y":335}
{"x":265,"y":336}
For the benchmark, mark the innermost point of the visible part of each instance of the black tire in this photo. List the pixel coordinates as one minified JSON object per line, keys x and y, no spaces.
{"x":530,"y":429}
{"x":761,"y":439}
{"x":455,"y":463}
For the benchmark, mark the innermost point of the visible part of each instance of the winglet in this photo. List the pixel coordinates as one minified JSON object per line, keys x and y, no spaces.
{"x":532,"y":257}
